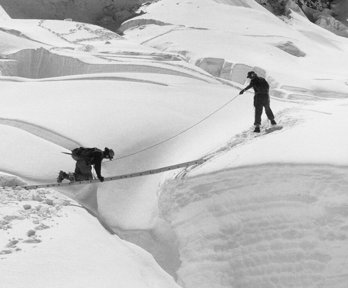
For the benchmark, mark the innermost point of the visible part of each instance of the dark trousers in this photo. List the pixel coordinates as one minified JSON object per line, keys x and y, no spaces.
{"x":83,"y":171}
{"x":259,"y":104}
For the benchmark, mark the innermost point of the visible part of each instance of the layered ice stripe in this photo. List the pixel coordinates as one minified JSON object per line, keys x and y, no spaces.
{"x":262,"y":226}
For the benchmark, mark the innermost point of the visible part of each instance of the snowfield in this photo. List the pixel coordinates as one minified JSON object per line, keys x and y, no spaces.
{"x":265,"y":210}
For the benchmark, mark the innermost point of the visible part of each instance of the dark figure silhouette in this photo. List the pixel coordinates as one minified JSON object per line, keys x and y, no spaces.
{"x":85,"y":159}
{"x":261,"y":98}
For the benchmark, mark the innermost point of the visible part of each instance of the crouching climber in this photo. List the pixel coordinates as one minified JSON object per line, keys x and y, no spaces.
{"x":86,"y":158}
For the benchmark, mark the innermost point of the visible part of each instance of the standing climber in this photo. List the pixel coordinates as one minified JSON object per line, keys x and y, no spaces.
{"x":261,"y":98}
{"x":86,"y":158}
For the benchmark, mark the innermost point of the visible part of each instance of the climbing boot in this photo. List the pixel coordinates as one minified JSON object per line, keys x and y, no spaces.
{"x":257,"y":129}
{"x":273,"y":122}
{"x":61,"y":176}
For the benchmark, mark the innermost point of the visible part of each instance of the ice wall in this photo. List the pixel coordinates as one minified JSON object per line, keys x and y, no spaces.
{"x":43,"y":63}
{"x":261,"y":226}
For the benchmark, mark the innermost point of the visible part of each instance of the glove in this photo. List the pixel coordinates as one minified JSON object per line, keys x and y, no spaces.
{"x":101,"y":178}
{"x":241,"y":92}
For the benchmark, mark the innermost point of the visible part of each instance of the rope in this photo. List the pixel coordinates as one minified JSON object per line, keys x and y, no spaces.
{"x":143,"y":173}
{"x":181,"y":132}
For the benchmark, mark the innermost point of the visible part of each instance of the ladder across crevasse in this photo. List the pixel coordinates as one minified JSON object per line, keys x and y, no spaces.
{"x":119,"y":177}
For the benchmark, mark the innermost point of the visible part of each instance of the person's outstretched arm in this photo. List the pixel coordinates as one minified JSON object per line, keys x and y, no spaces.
{"x":246,"y":88}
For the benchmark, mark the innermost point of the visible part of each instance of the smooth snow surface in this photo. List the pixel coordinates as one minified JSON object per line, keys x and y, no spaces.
{"x":264,"y":210}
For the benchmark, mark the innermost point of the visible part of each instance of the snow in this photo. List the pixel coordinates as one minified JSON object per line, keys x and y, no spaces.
{"x":261,"y":226}
{"x":3,"y":14}
{"x":48,"y":255}
{"x":265,"y":210}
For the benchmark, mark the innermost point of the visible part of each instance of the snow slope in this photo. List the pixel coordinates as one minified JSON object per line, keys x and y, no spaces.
{"x":229,"y":43}
{"x":50,"y":241}
{"x":267,"y":209}
{"x":261,"y":226}
{"x":244,"y":219}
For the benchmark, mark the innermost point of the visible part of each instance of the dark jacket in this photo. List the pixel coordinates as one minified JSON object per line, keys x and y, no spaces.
{"x":261,"y":88}
{"x":86,"y":157}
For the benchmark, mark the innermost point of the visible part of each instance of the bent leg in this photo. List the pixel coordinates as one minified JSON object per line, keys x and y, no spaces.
{"x":83,"y":171}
